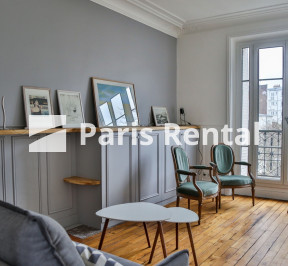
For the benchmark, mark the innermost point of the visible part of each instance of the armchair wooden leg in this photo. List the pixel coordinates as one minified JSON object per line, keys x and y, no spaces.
{"x":199,"y":211}
{"x":253,"y":196}
{"x":188,"y":204}
{"x":216,"y":204}
{"x":178,"y":201}
{"x":220,"y":199}
{"x":233,"y":193}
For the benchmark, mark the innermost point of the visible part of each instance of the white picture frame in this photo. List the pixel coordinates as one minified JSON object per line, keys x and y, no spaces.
{"x":37,"y":101}
{"x":160,"y":115}
{"x":70,"y":104}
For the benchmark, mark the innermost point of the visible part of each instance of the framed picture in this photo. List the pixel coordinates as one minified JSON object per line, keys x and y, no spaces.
{"x":160,"y":115}
{"x":37,"y":101}
{"x":70,"y":104}
{"x":115,"y":103}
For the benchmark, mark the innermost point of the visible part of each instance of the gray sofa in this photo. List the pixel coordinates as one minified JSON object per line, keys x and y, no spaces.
{"x":28,"y":238}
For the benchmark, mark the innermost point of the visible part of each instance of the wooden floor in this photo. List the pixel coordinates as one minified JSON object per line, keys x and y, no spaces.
{"x":238,"y":235}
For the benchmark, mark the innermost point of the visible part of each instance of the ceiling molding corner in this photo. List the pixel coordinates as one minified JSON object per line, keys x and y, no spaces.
{"x":147,"y":14}
{"x":237,"y":18}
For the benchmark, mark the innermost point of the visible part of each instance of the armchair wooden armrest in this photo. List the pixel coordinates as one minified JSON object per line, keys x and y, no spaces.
{"x":183,"y":172}
{"x":214,"y":165}
{"x":243,"y":163}
{"x":200,"y":167}
{"x":204,"y":167}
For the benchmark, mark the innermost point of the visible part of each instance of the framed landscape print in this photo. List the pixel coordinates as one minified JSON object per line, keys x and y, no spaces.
{"x":115,"y":103}
{"x":70,"y":104}
{"x":160,"y":115}
{"x":37,"y":101}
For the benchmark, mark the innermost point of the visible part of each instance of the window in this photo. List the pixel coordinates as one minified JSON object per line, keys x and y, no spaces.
{"x":262,"y":87}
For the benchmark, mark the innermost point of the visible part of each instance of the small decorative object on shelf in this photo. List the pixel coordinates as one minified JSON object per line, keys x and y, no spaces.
{"x":4,"y":112}
{"x":160,"y":115}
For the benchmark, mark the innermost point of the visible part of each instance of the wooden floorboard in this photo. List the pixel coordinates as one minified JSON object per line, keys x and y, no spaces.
{"x":238,"y":234}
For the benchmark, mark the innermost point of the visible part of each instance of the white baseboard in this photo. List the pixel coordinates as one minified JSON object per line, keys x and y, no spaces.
{"x":264,"y":192}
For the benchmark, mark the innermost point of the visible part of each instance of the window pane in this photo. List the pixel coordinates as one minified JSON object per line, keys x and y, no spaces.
{"x":245,"y":104}
{"x":270,"y":105}
{"x":244,"y":158}
{"x":271,"y":63}
{"x":270,"y":129}
{"x":245,"y":64}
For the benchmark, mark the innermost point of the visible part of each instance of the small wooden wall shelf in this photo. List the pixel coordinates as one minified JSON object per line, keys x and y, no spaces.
{"x":82,"y":181}
{"x":7,"y":132}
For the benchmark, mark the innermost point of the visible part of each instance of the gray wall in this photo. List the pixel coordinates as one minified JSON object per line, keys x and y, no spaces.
{"x":60,"y":44}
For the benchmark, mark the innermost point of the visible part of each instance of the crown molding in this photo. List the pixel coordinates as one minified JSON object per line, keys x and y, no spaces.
{"x":159,"y":12}
{"x":237,"y":18}
{"x":150,"y":14}
{"x":146,"y":13}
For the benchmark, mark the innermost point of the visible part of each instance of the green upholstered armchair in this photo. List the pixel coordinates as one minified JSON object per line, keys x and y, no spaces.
{"x":223,"y":161}
{"x":192,"y":189}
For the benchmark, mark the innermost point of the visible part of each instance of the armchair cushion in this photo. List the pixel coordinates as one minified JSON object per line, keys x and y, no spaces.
{"x":235,"y":180}
{"x":224,"y":158}
{"x":182,"y":162}
{"x":208,"y":188}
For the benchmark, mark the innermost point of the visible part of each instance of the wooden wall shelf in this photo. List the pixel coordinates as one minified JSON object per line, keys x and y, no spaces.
{"x":7,"y":132}
{"x":82,"y":181}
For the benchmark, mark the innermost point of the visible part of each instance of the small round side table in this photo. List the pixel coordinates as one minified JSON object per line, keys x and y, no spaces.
{"x":180,"y":215}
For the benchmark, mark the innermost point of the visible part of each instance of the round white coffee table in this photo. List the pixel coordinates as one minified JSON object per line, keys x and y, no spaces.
{"x":136,"y":212}
{"x":180,"y":215}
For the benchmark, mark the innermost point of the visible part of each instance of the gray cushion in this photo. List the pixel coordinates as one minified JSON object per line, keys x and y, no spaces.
{"x":176,"y":259}
{"x":120,"y":260}
{"x":32,"y":239}
{"x":94,"y":257}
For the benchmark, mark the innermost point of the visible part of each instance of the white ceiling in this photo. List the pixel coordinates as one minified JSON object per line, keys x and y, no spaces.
{"x":176,"y":17}
{"x":188,"y":10}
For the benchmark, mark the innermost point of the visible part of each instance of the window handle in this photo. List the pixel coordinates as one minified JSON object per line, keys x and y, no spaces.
{"x":286,"y":119}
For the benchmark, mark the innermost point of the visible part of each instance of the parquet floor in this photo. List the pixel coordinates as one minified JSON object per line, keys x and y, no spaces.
{"x":238,"y":235}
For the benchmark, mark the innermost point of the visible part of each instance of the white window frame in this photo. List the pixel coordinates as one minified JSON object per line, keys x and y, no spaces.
{"x":235,"y":45}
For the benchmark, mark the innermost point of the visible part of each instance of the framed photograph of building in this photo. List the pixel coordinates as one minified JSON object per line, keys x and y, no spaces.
{"x":70,"y":104}
{"x":37,"y":101}
{"x":160,"y":115}
{"x":115,"y":103}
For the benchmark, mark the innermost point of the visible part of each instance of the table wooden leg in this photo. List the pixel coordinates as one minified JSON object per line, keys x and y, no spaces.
{"x":177,"y":237}
{"x":103,"y":234}
{"x":154,"y":245}
{"x":192,"y":244}
{"x":162,"y":239}
{"x":147,"y":236}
